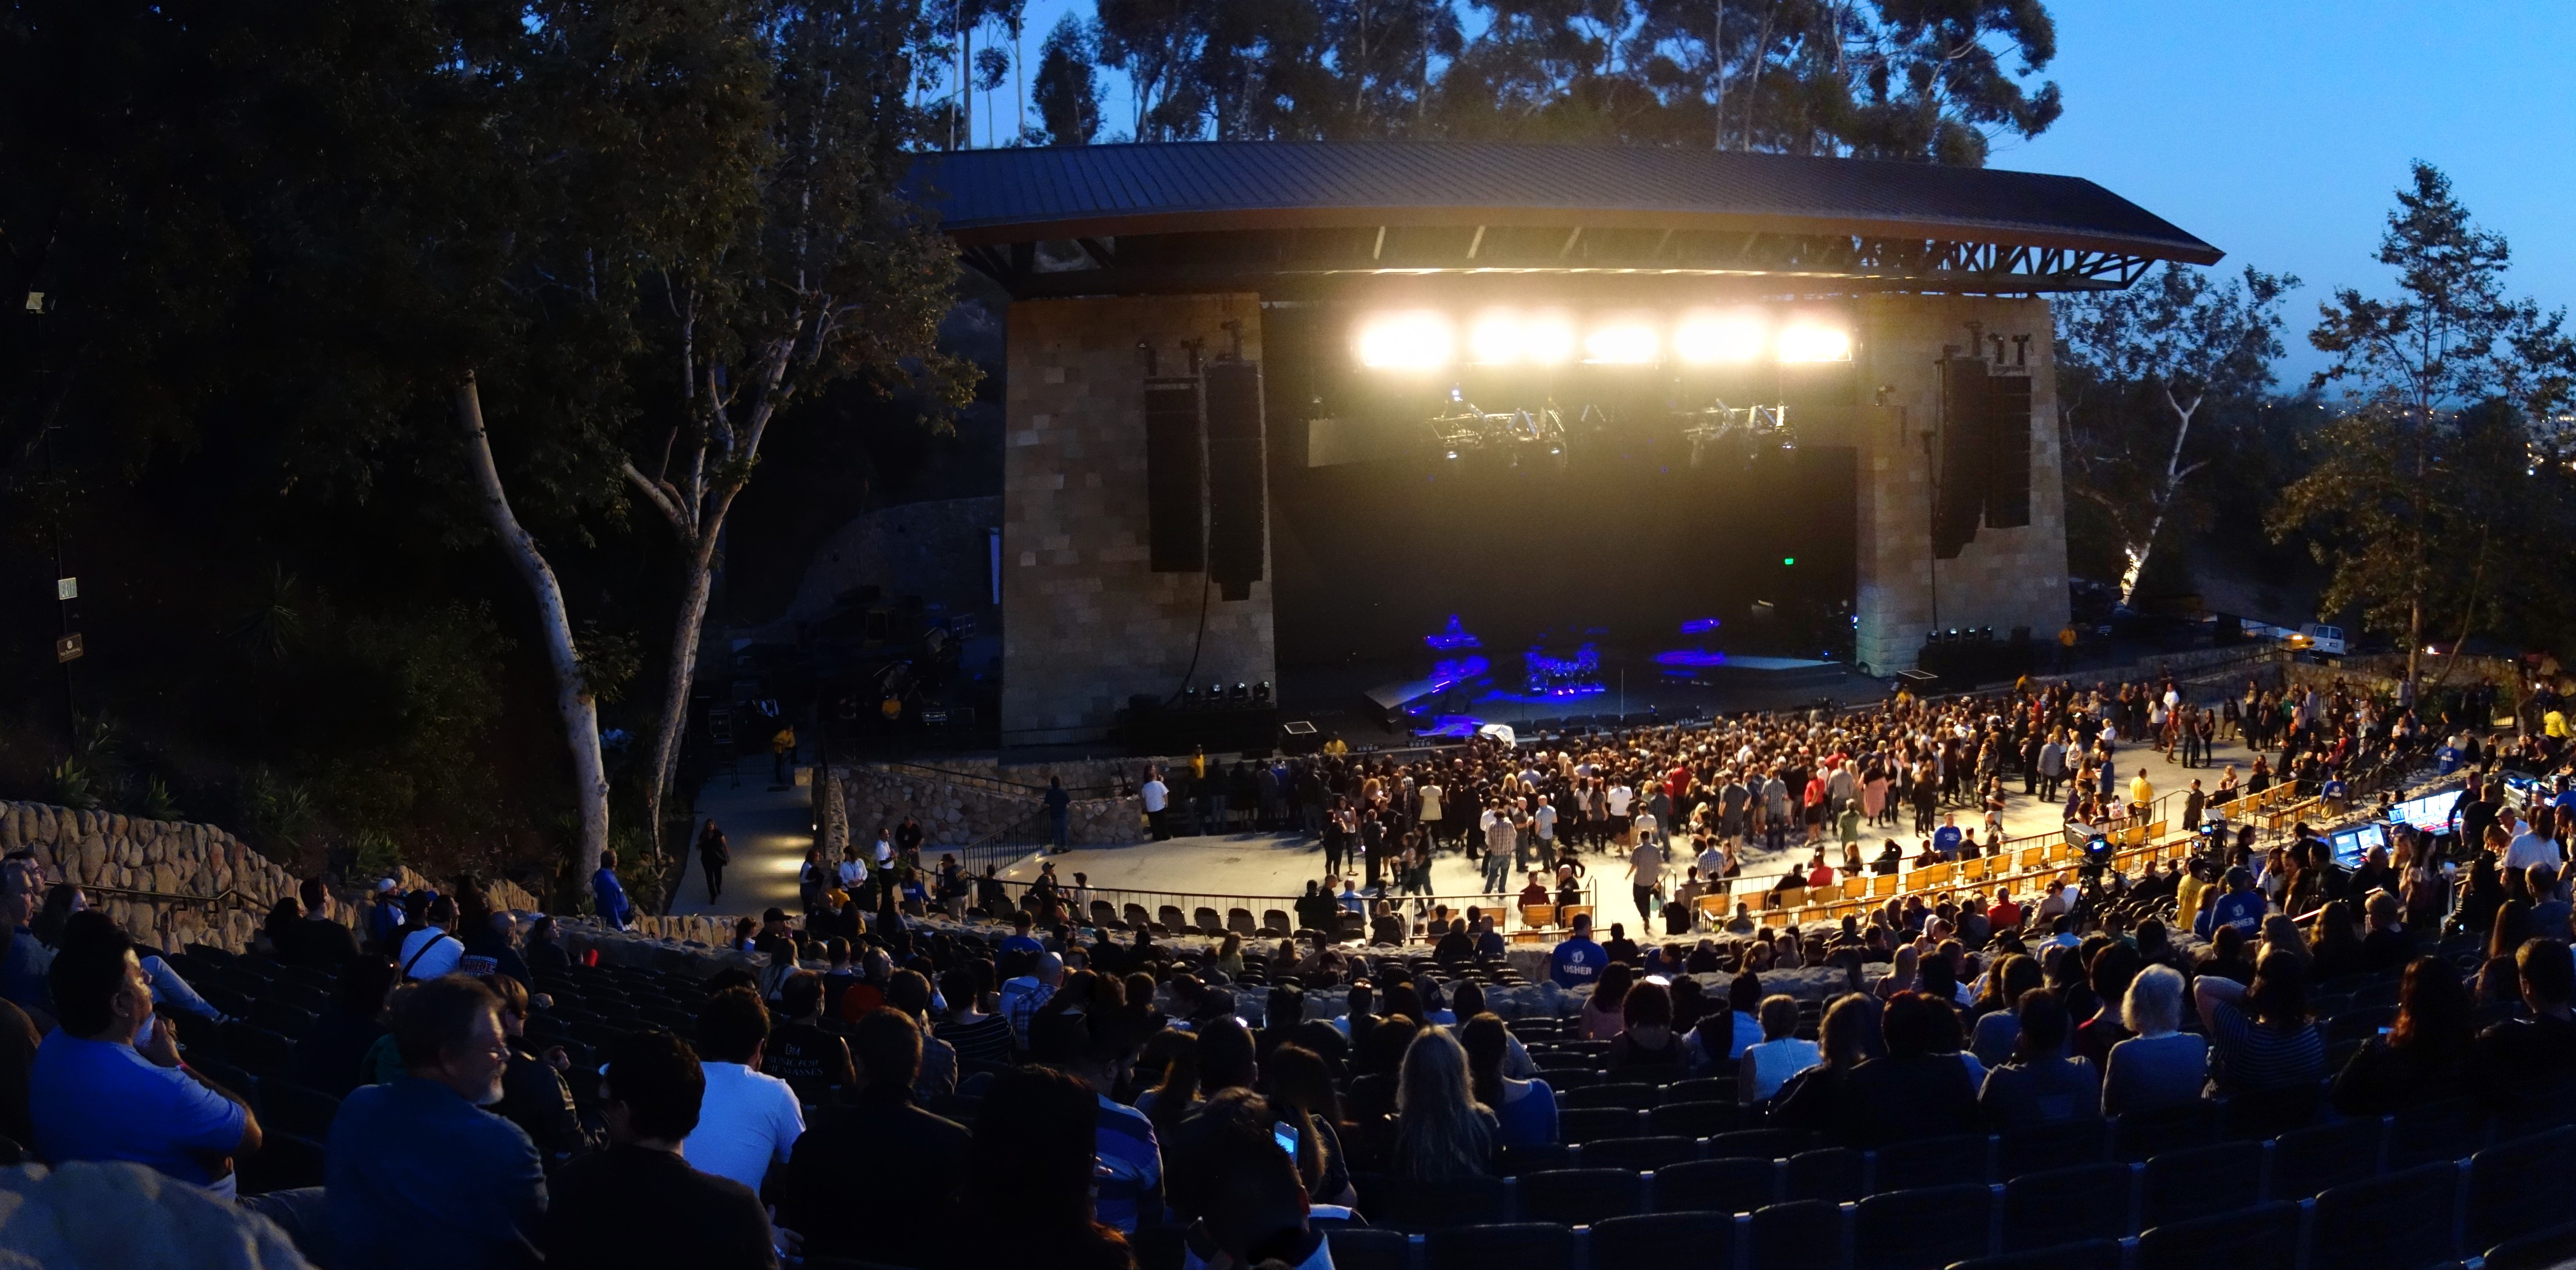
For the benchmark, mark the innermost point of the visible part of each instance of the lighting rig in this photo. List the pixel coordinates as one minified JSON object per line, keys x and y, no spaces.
{"x":1510,"y":434}
{"x":1735,"y":431}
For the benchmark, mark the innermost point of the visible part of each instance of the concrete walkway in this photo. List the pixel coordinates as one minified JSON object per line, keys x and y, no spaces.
{"x":770,"y":831}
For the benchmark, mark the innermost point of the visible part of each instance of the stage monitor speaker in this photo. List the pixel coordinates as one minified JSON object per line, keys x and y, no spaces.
{"x":1960,"y":460}
{"x":1175,"y":475}
{"x":2008,"y":451}
{"x":1238,"y":502}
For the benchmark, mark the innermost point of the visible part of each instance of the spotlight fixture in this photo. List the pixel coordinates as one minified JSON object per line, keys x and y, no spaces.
{"x":1505,"y":338}
{"x":1622,"y":343}
{"x":1703,"y":339}
{"x":1804,"y":343}
{"x":1406,"y":341}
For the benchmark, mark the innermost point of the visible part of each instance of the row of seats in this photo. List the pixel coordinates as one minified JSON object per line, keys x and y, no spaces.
{"x":2212,"y":1207}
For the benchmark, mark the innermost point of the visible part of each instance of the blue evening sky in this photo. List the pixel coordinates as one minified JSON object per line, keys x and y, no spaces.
{"x":2278,"y":129}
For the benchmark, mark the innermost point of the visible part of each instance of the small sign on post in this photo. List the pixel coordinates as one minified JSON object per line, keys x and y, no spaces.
{"x":66,"y":588}
{"x":68,"y":648}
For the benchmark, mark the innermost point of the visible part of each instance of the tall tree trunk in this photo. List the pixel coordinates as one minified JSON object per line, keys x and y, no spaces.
{"x":1717,"y":62}
{"x":686,"y":634}
{"x":573,"y":701}
{"x":2175,"y":474}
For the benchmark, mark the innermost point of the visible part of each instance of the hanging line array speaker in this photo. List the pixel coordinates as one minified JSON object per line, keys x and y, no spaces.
{"x":1237,"y":485}
{"x":1961,"y":457}
{"x":1175,"y":475}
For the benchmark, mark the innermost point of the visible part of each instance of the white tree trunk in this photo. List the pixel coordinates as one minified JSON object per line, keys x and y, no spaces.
{"x":2175,"y":474}
{"x":696,"y":586}
{"x":573,"y":702}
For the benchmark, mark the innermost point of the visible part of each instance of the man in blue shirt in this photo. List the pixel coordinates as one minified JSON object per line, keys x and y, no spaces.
{"x":1578,"y":961}
{"x":2242,"y":907}
{"x":92,"y":1094}
{"x":610,"y":894}
{"x":1019,"y":940}
{"x":1946,"y":838}
{"x":420,"y":1176}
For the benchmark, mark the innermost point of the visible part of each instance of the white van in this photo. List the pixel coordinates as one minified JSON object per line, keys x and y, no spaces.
{"x":2324,"y":639}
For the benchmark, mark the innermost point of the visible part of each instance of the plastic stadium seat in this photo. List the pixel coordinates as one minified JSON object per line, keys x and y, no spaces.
{"x":1580,"y":1197}
{"x":1275,"y":924}
{"x":2273,"y":1112}
{"x":1239,"y":921}
{"x":1630,"y":1096}
{"x":2264,"y":1237}
{"x":1828,"y":1173}
{"x":1464,"y":1201}
{"x":2201,"y":1182}
{"x":2521,"y":1187}
{"x":1698,"y":1089}
{"x":2090,"y":1254}
{"x":283,"y":1162}
{"x":1928,"y":1162}
{"x":2062,"y":1145}
{"x":2452,"y":1129}
{"x":1694,"y":1119}
{"x":1536,"y":1159}
{"x":1716,"y":1186}
{"x":1564,"y":1078}
{"x":291,"y":1022}
{"x":292,"y":1108}
{"x":2400,"y":1222}
{"x":1206,"y":922}
{"x":2307,"y":1161}
{"x":2062,"y":1206}
{"x":2539,"y":1250}
{"x":1595,"y":1123}
{"x":225,"y":1074}
{"x":1639,"y":1154}
{"x":1766,"y":1144}
{"x":1663,"y":1239}
{"x":1524,"y":1245}
{"x":2141,"y":1134}
{"x":1368,"y":1248}
{"x":1923,"y":1229}
{"x":1799,"y":1235}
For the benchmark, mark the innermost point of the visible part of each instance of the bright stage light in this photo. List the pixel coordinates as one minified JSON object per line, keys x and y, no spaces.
{"x":1814,"y":344}
{"x":1499,"y":339}
{"x":1623,"y":343}
{"x":1406,"y":341}
{"x":1705,"y":338}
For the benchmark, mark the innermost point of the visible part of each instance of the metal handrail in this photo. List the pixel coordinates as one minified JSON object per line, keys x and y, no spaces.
{"x":1121,"y":897}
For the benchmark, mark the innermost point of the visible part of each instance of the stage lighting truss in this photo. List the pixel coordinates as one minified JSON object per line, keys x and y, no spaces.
{"x":1536,"y":435}
{"x":1721,"y":430}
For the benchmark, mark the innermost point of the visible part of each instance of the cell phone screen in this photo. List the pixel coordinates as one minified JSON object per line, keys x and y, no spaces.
{"x":1285,"y":1135}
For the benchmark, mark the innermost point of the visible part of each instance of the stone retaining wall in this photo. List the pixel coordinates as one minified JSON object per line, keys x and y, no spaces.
{"x":956,"y":812}
{"x":104,"y":850}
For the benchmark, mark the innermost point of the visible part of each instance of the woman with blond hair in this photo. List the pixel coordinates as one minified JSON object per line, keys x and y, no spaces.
{"x":1441,"y":1131}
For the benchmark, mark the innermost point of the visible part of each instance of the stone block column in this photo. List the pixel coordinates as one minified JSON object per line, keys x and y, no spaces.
{"x":2007,"y":577}
{"x":1085,"y":622}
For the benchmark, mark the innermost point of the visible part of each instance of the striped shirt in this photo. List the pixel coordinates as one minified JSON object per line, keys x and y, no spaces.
{"x":2252,"y":1056}
{"x":1128,"y":1171}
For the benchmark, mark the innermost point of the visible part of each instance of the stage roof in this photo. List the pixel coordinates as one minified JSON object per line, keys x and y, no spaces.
{"x":1291,"y":217}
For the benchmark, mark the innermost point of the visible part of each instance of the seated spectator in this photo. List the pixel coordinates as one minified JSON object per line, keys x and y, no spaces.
{"x":1442,"y":1132}
{"x":813,"y":1062}
{"x":1021,"y":996}
{"x":2518,"y":1059}
{"x":1721,"y":1036}
{"x":2336,"y":950}
{"x":18,"y":1042}
{"x":492,"y":938}
{"x":419,"y":1175}
{"x":1258,"y":1212}
{"x":2229,"y":957}
{"x":317,"y":939}
{"x":546,"y":952}
{"x":1524,"y":1110}
{"x":1998,"y":1028}
{"x":1130,"y":1181}
{"x":2549,"y":906}
{"x":2041,"y":1085}
{"x":878,"y":1155}
{"x":1298,"y":1085}
{"x":2387,"y":946}
{"x":2160,"y":1066}
{"x":1915,"y":1090}
{"x":533,"y":1093}
{"x":1030,"y":1172}
{"x":2423,"y":1056}
{"x":2110,"y":973}
{"x":1646,"y":1044}
{"x":1768,"y":1064}
{"x":332,"y":1055}
{"x":1602,"y":1016}
{"x":909,"y":991}
{"x":2262,"y":1034}
{"x":748,"y":1122}
{"x":430,"y":952}
{"x":107,"y":1083}
{"x":638,"y":1203}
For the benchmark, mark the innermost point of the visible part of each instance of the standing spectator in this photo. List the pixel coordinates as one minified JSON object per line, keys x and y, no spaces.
{"x":610,"y":896}
{"x":95,"y":1093}
{"x":2041,"y":1085}
{"x":748,"y":1121}
{"x":1646,"y":877}
{"x":1030,"y":1171}
{"x":714,"y":853}
{"x":1157,"y":799}
{"x":878,"y":1180}
{"x":782,"y":754}
{"x":1442,"y":1132}
{"x":420,"y":1177}
{"x":638,"y":1203}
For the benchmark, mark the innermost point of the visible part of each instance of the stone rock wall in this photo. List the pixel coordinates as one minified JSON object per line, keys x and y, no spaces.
{"x":187,"y":869}
{"x":955,"y":811}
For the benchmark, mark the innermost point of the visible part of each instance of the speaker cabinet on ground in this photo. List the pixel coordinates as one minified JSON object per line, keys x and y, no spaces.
{"x":1175,"y":475}
{"x":2008,"y":451}
{"x":1238,"y":490}
{"x":1961,"y":455}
